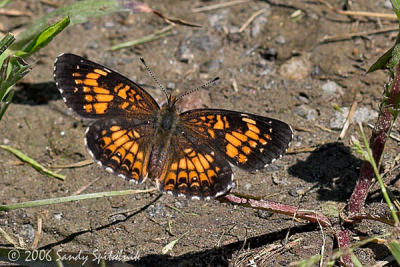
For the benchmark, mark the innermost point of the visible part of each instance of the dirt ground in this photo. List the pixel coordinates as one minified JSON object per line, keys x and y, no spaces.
{"x":279,"y":66}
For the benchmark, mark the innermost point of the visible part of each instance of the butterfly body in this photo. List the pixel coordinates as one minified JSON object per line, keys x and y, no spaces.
{"x":186,"y":154}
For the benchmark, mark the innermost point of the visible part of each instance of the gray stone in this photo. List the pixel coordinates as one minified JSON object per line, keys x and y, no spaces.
{"x":388,"y":4}
{"x":180,"y":203}
{"x":210,"y":66}
{"x":331,"y":88}
{"x":218,"y":20}
{"x":156,"y":210}
{"x":296,"y":68}
{"x":27,"y":233}
{"x":305,"y":112}
{"x":264,"y":214}
{"x":362,"y":114}
{"x":200,"y":41}
{"x":117,"y":218}
{"x":280,"y":39}
{"x":259,"y":23}
{"x":109,"y":24}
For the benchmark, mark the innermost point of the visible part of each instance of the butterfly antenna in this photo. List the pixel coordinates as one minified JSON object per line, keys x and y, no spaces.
{"x":154,"y":78}
{"x":207,"y":84}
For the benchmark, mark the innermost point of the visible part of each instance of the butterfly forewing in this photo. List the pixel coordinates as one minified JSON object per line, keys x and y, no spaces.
{"x":248,"y":141}
{"x":94,"y":91}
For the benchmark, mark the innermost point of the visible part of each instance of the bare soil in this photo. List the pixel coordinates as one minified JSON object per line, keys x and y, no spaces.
{"x":215,"y":234}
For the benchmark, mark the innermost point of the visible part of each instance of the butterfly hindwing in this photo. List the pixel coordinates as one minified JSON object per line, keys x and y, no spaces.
{"x":248,"y":141}
{"x":195,"y":170}
{"x":121,"y":146}
{"x":94,"y":91}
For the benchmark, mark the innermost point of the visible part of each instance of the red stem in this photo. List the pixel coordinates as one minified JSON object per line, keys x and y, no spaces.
{"x":343,"y":239}
{"x":276,"y":208}
{"x":377,"y":144}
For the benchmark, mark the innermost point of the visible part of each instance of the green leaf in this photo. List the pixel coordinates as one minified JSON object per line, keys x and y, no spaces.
{"x":171,"y":244}
{"x":394,"y":247}
{"x":42,"y":39}
{"x":78,"y":12}
{"x":330,"y":208}
{"x":396,"y":8}
{"x":12,"y":70}
{"x":381,"y":63}
{"x":355,"y":261}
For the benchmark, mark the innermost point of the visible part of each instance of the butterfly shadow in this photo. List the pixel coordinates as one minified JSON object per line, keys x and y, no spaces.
{"x":36,"y":93}
{"x":220,"y":256}
{"x":332,"y":169}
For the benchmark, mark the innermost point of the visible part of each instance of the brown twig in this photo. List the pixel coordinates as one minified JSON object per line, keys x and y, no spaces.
{"x":343,"y":37}
{"x":82,"y":163}
{"x":83,"y":188}
{"x":8,"y":238}
{"x":358,"y":13}
{"x":302,"y":129}
{"x":247,"y":23}
{"x":217,"y":6}
{"x":323,"y":128}
{"x":15,"y":13}
{"x":51,"y":3}
{"x":348,"y":120}
{"x":38,"y":233}
{"x":175,"y":20}
{"x":300,"y":150}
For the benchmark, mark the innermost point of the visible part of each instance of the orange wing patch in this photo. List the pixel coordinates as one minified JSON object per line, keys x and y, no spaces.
{"x":119,"y":149}
{"x":193,"y":173}
{"x":239,"y":145}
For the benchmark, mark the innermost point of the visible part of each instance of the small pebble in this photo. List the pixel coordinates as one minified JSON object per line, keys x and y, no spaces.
{"x":109,"y":25}
{"x":117,"y":217}
{"x":331,"y":88}
{"x":259,"y":23}
{"x":58,"y":216}
{"x":27,"y":232}
{"x":180,"y":204}
{"x":305,"y":112}
{"x":264,"y":214}
{"x":280,"y":40}
{"x":296,"y":68}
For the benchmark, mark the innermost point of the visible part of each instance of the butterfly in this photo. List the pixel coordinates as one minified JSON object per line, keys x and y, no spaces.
{"x":187,"y":154}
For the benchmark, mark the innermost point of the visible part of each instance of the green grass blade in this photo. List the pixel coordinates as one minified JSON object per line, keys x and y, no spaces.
{"x":5,"y":42}
{"x":36,"y":165}
{"x":394,"y":247}
{"x":5,"y":103}
{"x":148,"y":38}
{"x":45,"y":37}
{"x":78,"y":12}
{"x":5,"y":2}
{"x":50,"y":201}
